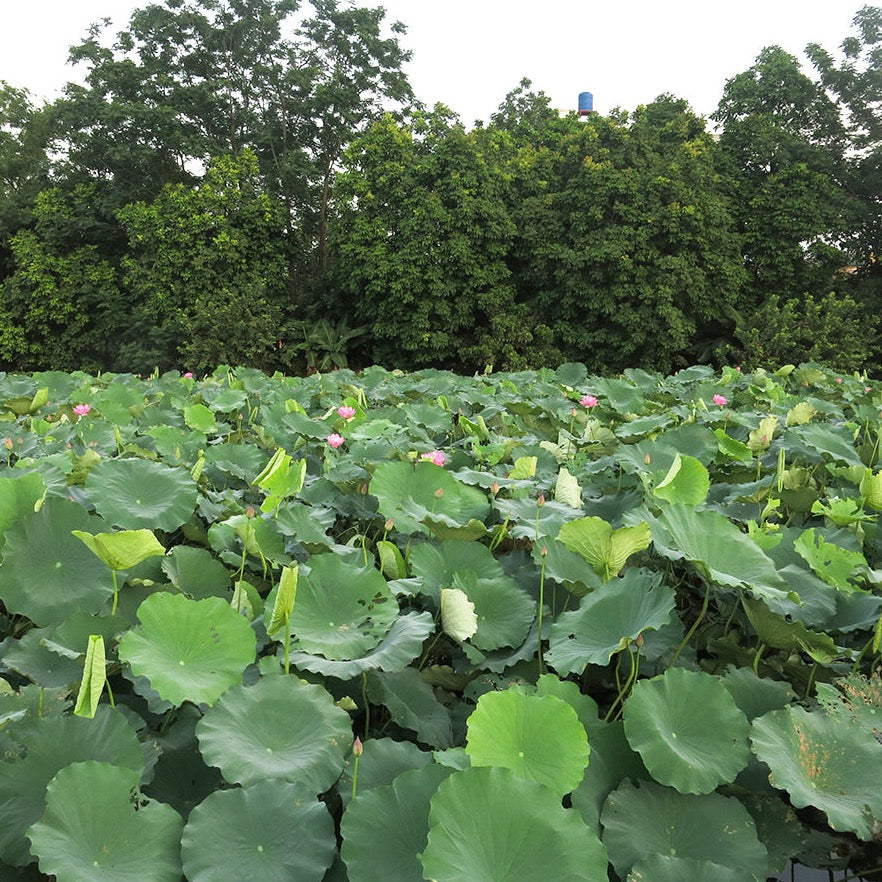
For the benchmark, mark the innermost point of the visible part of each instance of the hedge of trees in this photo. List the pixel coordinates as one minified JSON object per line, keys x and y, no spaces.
{"x":254,"y":181}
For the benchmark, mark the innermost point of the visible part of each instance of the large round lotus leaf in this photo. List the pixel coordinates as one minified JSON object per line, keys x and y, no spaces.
{"x":667,"y":868}
{"x":384,"y":829}
{"x":342,"y":611}
{"x":196,"y":572}
{"x":396,"y":650}
{"x":651,"y":819}
{"x":53,"y":743}
{"x":48,"y":574}
{"x":688,"y":730}
{"x":607,"y":620}
{"x":95,"y":829}
{"x":19,"y":494}
{"x":489,"y":825}
{"x":273,"y":831}
{"x":137,"y":493}
{"x":822,"y":763}
{"x":189,"y":650}
{"x":279,"y":728}
{"x":409,"y":493}
{"x":536,"y":736}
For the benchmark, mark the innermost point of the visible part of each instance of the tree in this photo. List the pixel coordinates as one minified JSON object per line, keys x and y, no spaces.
{"x":206,"y":269}
{"x":61,"y":306}
{"x":624,"y":253}
{"x":421,"y":246}
{"x":782,"y":152}
{"x":189,"y":80}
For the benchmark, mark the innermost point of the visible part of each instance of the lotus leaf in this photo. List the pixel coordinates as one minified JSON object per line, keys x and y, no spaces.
{"x":489,"y":825}
{"x":608,"y":620}
{"x":822,"y":763}
{"x":688,"y":730}
{"x":137,"y":494}
{"x":709,"y":828}
{"x":95,"y":831}
{"x":190,"y":650}
{"x":247,"y":834}
{"x":538,"y":737}
{"x":605,"y":549}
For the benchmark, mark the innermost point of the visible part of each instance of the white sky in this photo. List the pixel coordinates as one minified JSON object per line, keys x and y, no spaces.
{"x":470,"y":53}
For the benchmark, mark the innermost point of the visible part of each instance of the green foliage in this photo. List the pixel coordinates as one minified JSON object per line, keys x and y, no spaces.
{"x":831,"y":329}
{"x":207,"y":268}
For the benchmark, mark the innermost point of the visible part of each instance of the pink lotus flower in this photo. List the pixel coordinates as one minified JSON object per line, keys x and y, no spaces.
{"x":346,"y":412}
{"x":720,"y":400}
{"x":82,"y":409}
{"x":436,"y":456}
{"x":189,"y":375}
{"x":588,"y":401}
{"x":335,"y":440}
{"x":867,"y":389}
{"x":839,"y":379}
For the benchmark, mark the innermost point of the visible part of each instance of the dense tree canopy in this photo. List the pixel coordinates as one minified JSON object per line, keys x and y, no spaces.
{"x":254,"y":181}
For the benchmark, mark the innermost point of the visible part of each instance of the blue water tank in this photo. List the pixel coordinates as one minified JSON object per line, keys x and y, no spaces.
{"x":586,"y":103}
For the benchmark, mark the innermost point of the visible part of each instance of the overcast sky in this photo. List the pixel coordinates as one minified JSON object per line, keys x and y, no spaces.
{"x":470,"y":53}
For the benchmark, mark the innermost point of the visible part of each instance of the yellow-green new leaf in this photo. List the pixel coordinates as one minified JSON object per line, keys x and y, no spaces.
{"x":524,"y":467}
{"x":871,"y":489}
{"x":761,"y":437}
{"x":567,"y":490}
{"x":607,"y":550}
{"x":687,"y":482}
{"x":458,"y":618}
{"x":94,"y":676}
{"x":285,"y":597}
{"x":124,"y":549}
{"x":800,"y":414}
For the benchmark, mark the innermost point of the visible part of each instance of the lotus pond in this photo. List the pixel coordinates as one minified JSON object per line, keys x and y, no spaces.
{"x":396,"y":627}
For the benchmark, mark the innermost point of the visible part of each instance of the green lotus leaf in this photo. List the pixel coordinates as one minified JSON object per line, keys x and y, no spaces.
{"x":47,"y":573}
{"x":239,"y":460}
{"x":20,"y":495}
{"x":51,"y":744}
{"x":247,"y":834}
{"x":489,"y":825}
{"x":94,"y":829}
{"x":871,"y":489}
{"x":138,"y":494}
{"x":412,"y":704}
{"x":395,"y":651}
{"x":835,"y":565}
{"x":189,"y":650}
{"x":32,"y":657}
{"x":409,"y":492}
{"x":607,"y":550}
{"x":538,"y":737}
{"x":722,"y":553}
{"x":755,"y":695}
{"x":686,"y":482}
{"x":122,"y":550}
{"x":645,"y":820}
{"x":504,"y":610}
{"x":199,"y":418}
{"x":384,"y":829}
{"x":776,"y":631}
{"x":437,"y":564}
{"x":281,"y":729}
{"x":835,"y":442}
{"x":612,"y":760}
{"x":733,"y":448}
{"x":608,"y":620}
{"x":94,"y":678}
{"x":822,"y":763}
{"x":196,"y":572}
{"x":688,"y":730}
{"x":854,"y":700}
{"x":667,"y":868}
{"x":343,"y":611}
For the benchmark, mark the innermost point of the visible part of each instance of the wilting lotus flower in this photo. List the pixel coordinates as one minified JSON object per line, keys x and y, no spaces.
{"x":436,"y":456}
{"x":588,"y":401}
{"x":335,"y":440}
{"x":346,"y":412}
{"x":82,"y":409}
{"x":721,"y":400}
